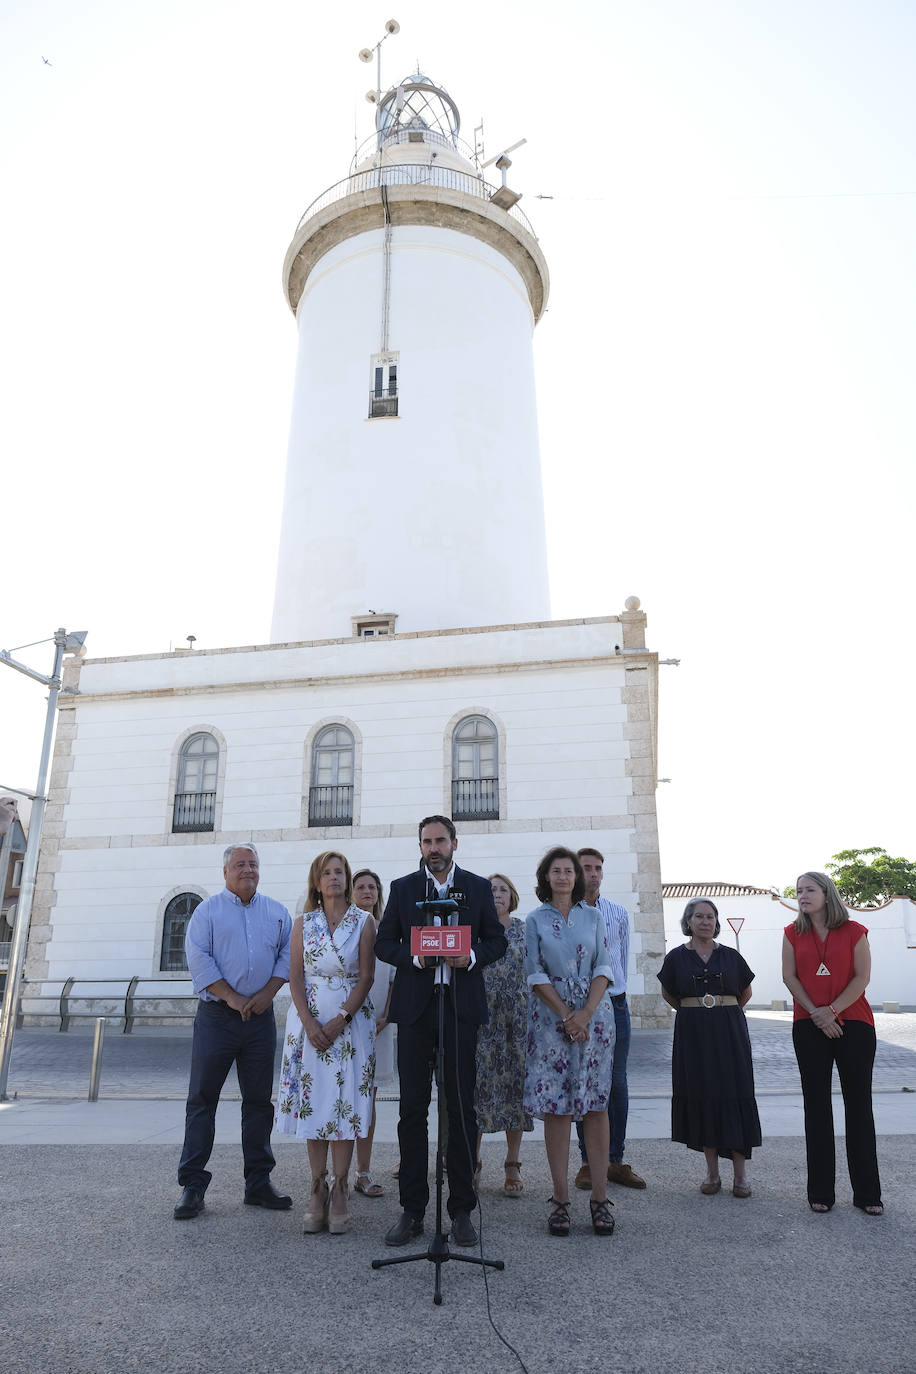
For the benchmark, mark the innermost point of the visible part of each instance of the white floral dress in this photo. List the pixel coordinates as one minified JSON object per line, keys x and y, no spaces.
{"x":327,"y":1094}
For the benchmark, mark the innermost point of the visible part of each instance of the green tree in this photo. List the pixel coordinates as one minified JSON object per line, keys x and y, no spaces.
{"x":870,"y":877}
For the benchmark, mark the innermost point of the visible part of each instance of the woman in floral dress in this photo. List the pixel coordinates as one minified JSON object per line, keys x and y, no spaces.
{"x":501,"y":1041}
{"x":367,"y":894}
{"x":570,"y":1031}
{"x":325,"y":1092}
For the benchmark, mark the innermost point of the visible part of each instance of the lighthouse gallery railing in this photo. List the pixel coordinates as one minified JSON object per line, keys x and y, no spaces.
{"x":411,"y":174}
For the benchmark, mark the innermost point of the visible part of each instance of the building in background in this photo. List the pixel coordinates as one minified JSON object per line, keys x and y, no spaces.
{"x":414,"y":667}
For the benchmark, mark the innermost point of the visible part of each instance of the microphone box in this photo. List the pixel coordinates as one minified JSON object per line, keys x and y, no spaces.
{"x":444,"y":941}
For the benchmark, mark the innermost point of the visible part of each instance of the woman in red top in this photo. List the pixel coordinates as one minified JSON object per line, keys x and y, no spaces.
{"x":826,"y":965}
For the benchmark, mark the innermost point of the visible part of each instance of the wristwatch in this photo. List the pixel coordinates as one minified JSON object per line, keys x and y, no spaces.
{"x":347,"y":1017}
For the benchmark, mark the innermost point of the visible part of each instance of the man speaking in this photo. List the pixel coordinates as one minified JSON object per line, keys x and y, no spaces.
{"x":413,"y":1008}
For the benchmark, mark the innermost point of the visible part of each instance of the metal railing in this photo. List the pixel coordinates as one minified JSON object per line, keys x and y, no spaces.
{"x":383,"y":401}
{"x":131,"y":1011}
{"x":331,"y":805}
{"x":475,"y":799}
{"x":193,"y":811}
{"x":411,"y":174}
{"x":375,"y":144}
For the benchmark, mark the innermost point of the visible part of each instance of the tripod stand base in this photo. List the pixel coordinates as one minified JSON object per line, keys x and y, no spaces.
{"x":438,"y":1254}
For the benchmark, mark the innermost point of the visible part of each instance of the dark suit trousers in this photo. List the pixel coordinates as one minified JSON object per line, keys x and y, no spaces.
{"x":854,"y":1055}
{"x":416,"y":1055}
{"x":222,"y":1038}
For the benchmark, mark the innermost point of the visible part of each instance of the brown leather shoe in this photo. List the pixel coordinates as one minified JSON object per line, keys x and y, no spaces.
{"x":584,"y":1178}
{"x":622,"y":1173}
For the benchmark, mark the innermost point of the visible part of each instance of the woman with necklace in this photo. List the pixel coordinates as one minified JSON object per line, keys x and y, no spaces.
{"x":571,"y":1031}
{"x":326,"y":1078}
{"x":713,"y":1108}
{"x":826,"y":965}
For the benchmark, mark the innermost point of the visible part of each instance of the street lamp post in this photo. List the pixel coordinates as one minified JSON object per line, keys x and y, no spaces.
{"x":63,"y":643}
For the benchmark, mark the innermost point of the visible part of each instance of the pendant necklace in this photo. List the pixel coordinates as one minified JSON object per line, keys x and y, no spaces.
{"x":822,"y":969}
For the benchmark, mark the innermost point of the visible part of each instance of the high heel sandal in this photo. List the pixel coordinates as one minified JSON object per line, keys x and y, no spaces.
{"x":313,"y":1224}
{"x":340,"y":1224}
{"x":558,"y":1218}
{"x":602,"y":1221}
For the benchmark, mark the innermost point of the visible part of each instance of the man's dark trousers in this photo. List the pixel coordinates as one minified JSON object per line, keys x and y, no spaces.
{"x":416,"y":1056}
{"x":618,"y":1106}
{"x":222,"y":1038}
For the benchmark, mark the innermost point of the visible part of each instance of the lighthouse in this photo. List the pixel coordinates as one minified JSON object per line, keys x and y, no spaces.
{"x":413,"y":666}
{"x":413,"y":497}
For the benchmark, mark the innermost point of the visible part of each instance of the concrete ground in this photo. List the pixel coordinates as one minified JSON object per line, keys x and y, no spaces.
{"x":97,"y":1276}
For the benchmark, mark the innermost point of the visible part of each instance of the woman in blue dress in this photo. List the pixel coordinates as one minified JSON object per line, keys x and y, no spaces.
{"x":571,"y":1034}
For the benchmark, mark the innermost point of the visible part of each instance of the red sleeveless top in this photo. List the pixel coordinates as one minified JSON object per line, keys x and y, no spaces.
{"x":835,"y":954}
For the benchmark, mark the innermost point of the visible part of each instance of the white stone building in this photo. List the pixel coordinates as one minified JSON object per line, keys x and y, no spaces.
{"x":414,"y":670}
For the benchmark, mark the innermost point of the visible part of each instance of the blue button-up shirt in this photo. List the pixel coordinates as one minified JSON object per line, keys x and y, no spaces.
{"x":245,"y":945}
{"x":617,"y":923}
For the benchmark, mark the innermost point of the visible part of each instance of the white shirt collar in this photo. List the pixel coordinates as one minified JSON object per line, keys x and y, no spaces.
{"x":449,"y":881}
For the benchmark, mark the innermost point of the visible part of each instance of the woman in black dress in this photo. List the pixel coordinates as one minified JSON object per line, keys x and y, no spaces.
{"x":712,"y":1102}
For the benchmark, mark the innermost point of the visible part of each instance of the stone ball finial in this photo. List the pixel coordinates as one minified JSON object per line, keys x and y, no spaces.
{"x":632,"y":603}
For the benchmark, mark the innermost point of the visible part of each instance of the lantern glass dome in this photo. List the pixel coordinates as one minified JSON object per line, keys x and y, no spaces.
{"x":417,"y":105}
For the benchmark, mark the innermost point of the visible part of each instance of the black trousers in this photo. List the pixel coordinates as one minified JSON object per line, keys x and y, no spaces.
{"x":221,"y":1039}
{"x":416,"y":1055}
{"x":854,"y":1055}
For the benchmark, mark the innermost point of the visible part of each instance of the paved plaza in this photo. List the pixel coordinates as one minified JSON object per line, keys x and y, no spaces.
{"x":97,"y":1276}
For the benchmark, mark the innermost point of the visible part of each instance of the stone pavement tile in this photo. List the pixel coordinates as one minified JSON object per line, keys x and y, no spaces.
{"x":100,"y":1279}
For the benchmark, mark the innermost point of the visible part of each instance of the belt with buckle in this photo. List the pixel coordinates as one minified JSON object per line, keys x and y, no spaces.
{"x":708,"y":1000}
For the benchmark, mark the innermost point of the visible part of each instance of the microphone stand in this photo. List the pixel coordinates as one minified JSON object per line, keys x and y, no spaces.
{"x":438,"y":1252}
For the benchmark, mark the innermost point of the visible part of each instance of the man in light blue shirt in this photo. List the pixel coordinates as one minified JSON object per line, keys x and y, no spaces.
{"x":617,"y":923}
{"x":237,"y":946}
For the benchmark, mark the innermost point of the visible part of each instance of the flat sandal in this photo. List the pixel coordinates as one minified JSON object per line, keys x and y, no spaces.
{"x":367,"y":1185}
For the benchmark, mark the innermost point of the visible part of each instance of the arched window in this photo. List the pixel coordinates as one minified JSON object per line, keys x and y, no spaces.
{"x":331,"y":790}
{"x":475,"y":770}
{"x":195,"y":794}
{"x":174,"y":924}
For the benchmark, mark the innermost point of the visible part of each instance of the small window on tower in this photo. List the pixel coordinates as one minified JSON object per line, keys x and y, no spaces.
{"x":373,"y":625}
{"x":383,"y":389}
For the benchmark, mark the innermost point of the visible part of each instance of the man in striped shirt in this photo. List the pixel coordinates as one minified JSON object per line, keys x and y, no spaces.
{"x":617,"y":922}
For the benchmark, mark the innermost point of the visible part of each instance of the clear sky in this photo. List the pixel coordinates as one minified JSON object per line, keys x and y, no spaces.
{"x":726,"y":369}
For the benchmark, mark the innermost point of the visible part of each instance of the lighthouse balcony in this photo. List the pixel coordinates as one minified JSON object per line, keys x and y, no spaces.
{"x":412,"y":174}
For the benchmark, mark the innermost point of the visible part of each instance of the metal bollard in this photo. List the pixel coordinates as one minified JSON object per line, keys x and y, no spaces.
{"x":95,"y":1071}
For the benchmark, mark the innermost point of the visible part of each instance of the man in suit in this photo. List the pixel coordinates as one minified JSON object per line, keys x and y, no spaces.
{"x":413,"y":1008}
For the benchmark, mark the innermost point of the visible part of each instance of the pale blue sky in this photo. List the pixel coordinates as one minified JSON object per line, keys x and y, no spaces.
{"x":725,"y":370}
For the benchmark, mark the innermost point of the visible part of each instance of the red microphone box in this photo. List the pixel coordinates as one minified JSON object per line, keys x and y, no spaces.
{"x":444,"y":941}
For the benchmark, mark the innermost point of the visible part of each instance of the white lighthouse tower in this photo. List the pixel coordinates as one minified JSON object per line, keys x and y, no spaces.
{"x":413,"y":489}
